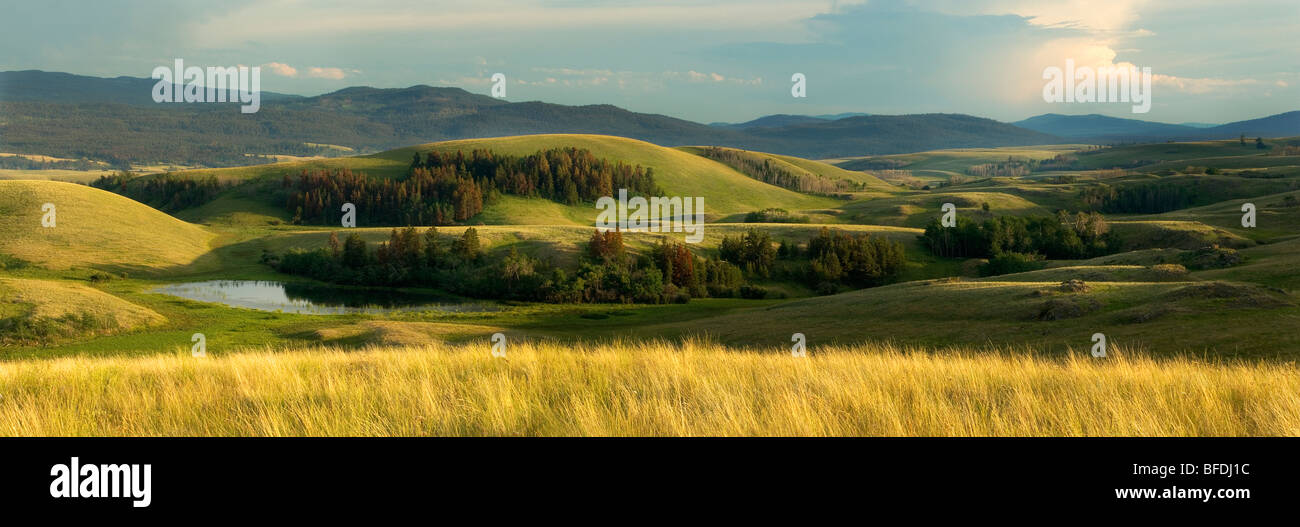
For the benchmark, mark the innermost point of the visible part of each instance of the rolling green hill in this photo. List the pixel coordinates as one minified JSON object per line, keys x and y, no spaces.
{"x":1232,"y":318}
{"x":817,"y":169}
{"x":1220,"y":154}
{"x":950,"y":161}
{"x":726,"y":192}
{"x":93,"y":229}
{"x":916,"y":210}
{"x":57,"y":298}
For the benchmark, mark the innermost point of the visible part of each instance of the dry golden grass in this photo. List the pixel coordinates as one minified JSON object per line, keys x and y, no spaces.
{"x":94,"y":228}
{"x":645,"y":389}
{"x":400,"y":333}
{"x":55,"y":298}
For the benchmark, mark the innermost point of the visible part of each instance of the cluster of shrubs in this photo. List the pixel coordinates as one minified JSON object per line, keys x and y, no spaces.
{"x":1211,"y":257}
{"x":34,"y":330}
{"x":1014,"y":244}
{"x":830,"y":261}
{"x":774,"y":215}
{"x":763,"y":169}
{"x":25,"y":163}
{"x":166,"y":192}
{"x":607,"y":272}
{"x":1164,"y":196}
{"x":668,"y":272}
{"x":1014,"y":166}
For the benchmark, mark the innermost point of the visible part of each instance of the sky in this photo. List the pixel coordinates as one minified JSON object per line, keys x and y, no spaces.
{"x":1212,"y":61}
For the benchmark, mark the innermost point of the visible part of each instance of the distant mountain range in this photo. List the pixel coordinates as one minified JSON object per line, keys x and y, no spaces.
{"x":782,"y":119}
{"x":115,"y":120}
{"x":44,"y":86}
{"x":1103,"y":129}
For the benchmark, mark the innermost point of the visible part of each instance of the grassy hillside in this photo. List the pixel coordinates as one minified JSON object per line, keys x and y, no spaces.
{"x":725,"y":191}
{"x":953,"y":161}
{"x":49,"y":311}
{"x":53,"y":299}
{"x":650,"y":388}
{"x":916,"y":210}
{"x":800,"y":166}
{"x":1221,"y":154}
{"x":93,"y":229}
{"x":74,"y":176}
{"x":1237,"y":319}
{"x":1175,"y":235}
{"x":1277,"y":215}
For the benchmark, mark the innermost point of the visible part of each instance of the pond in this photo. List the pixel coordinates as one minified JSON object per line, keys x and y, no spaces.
{"x":313,"y":299}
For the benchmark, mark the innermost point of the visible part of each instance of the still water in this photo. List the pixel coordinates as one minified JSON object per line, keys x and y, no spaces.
{"x":313,"y":299}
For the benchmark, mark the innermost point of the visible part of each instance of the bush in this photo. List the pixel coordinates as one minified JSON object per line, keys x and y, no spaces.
{"x":1212,"y":257}
{"x":1012,"y":262}
{"x":774,"y":216}
{"x":827,"y":288}
{"x":28,"y":329}
{"x":1169,"y":271}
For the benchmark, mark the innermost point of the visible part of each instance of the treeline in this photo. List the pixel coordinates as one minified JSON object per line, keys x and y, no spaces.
{"x":1149,"y":198}
{"x":1017,"y":166}
{"x":447,"y":188}
{"x":165,"y":192}
{"x":829,"y":261}
{"x":763,"y":169}
{"x":16,"y":162}
{"x":607,"y":272}
{"x":421,"y":199}
{"x":566,"y":175}
{"x":1012,"y":167}
{"x":1008,"y":240}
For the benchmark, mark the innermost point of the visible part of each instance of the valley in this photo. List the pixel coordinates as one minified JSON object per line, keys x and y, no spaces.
{"x":1158,"y":276}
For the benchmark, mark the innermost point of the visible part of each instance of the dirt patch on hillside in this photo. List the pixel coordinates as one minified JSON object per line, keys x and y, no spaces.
{"x":1243,"y":295}
{"x":1063,"y":308}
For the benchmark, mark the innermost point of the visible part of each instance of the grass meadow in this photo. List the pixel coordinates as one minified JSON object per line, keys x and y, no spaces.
{"x":648,"y":388}
{"x":1198,"y":352}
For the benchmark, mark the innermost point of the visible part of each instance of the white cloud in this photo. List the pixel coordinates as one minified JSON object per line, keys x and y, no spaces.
{"x":1108,"y":16}
{"x":279,"y":19}
{"x":283,"y":70}
{"x":1099,"y":54}
{"x":1200,"y":85}
{"x":325,"y":73}
{"x":715,"y":77}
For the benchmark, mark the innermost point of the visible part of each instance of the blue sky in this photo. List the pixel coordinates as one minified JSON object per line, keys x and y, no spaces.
{"x":704,"y":61}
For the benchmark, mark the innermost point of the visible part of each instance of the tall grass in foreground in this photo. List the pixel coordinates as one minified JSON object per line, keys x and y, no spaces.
{"x":645,"y":389}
